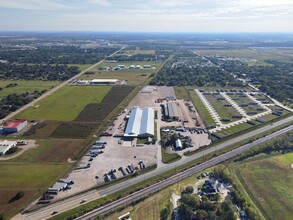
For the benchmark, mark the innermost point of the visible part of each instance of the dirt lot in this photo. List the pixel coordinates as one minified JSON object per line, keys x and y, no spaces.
{"x":148,"y":99}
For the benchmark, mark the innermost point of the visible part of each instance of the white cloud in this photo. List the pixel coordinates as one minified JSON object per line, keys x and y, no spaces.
{"x":33,"y":5}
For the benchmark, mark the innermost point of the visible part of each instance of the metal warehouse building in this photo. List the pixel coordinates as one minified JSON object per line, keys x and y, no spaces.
{"x":140,"y":123}
{"x":5,"y":146}
{"x":14,"y":126}
{"x":171,"y":111}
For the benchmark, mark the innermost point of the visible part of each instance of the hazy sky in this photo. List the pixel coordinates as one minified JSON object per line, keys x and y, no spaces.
{"x":148,"y":15}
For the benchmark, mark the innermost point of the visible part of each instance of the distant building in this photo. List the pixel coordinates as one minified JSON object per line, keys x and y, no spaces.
{"x":104,"y":68}
{"x":5,"y":146}
{"x":104,"y":82}
{"x":178,"y":144}
{"x":140,"y":123}
{"x":14,"y":126}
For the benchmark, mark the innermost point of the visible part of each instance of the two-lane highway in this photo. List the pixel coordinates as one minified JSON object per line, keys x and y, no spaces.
{"x":177,"y":177}
{"x":74,"y":201}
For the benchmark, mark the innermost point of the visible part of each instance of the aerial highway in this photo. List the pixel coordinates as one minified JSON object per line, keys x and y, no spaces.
{"x":72,"y":202}
{"x":51,"y":91}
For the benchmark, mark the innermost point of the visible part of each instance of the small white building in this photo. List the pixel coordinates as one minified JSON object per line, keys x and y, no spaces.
{"x":6,"y":145}
{"x":178,"y":144}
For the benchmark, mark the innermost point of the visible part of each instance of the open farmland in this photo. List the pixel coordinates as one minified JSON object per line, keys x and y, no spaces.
{"x":23,"y":86}
{"x":97,"y":112}
{"x":269,"y":182}
{"x":34,"y":171}
{"x":258,"y":54}
{"x":51,"y":151}
{"x":66,"y":103}
{"x":74,"y":130}
{"x":132,"y":76}
{"x":32,"y":179}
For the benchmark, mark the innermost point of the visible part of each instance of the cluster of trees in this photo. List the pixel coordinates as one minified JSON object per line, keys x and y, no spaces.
{"x":14,"y":101}
{"x":55,"y":54}
{"x":275,"y":79}
{"x":282,"y":144}
{"x":46,"y":72}
{"x":236,"y":196}
{"x":186,"y":74}
{"x":192,"y":207}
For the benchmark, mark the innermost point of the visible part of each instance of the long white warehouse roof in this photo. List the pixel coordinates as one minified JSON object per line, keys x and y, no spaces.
{"x":140,"y":122}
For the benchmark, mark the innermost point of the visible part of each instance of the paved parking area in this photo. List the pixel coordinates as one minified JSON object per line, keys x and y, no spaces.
{"x":115,"y":155}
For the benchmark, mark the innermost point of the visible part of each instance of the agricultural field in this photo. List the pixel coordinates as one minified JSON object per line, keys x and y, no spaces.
{"x":24,"y":86}
{"x":268,"y":181}
{"x":98,"y":112}
{"x":34,"y":171}
{"x":74,"y":130}
{"x":139,"y":51}
{"x":282,"y":55}
{"x":66,"y":103}
{"x":29,"y":178}
{"x":132,"y":76}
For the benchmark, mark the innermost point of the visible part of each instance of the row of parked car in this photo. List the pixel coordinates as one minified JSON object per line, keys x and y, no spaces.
{"x":129,"y":169}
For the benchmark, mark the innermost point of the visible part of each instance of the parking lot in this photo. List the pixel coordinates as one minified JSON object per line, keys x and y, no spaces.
{"x":114,"y":155}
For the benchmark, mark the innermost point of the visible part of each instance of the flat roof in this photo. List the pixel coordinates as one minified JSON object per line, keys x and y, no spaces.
{"x":104,"y":80}
{"x":14,"y":123}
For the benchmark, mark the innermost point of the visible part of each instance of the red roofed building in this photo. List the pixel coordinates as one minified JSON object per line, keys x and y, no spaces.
{"x":14,"y":126}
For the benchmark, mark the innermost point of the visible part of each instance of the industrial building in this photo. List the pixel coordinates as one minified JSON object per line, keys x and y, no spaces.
{"x":171,"y":111}
{"x":5,"y":146}
{"x":104,"y":82}
{"x":140,"y":123}
{"x":96,"y":82}
{"x":14,"y":126}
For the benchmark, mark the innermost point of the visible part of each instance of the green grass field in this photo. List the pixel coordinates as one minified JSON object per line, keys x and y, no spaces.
{"x":133,"y":76}
{"x":34,"y":171}
{"x":169,"y":157}
{"x":202,"y":110}
{"x":278,"y":54}
{"x":66,"y":103}
{"x":138,"y":51}
{"x":243,"y":99}
{"x":32,"y":179}
{"x":258,"y":64}
{"x":25,"y":86}
{"x":269,"y":183}
{"x":50,"y":151}
{"x":221,"y":109}
{"x":181,"y":93}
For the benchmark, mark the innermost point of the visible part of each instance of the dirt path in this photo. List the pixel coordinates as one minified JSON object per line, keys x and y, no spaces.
{"x":31,"y":144}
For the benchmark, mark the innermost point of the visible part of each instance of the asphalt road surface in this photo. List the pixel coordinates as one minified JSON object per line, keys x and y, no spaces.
{"x":72,"y":202}
{"x":50,"y":92}
{"x":182,"y":175}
